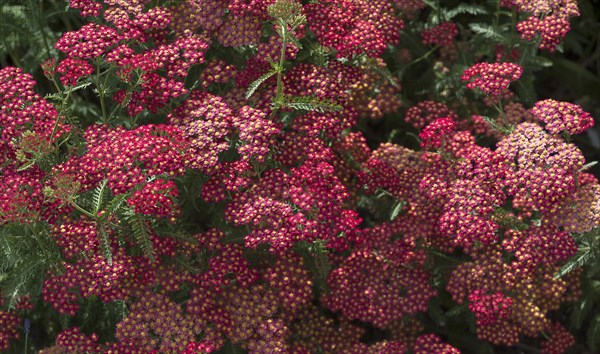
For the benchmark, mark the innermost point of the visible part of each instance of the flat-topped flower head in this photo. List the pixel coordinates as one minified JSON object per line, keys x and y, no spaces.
{"x":354,"y":27}
{"x":427,"y":111}
{"x":431,"y":343}
{"x":442,"y":34}
{"x":433,"y":134}
{"x":562,"y":116}
{"x":551,"y":30}
{"x":492,"y":78}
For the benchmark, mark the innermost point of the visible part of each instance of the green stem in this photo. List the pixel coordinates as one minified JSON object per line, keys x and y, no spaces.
{"x":63,"y":105}
{"x":78,"y":207}
{"x":100,"y":89}
{"x":501,"y":112}
{"x":284,"y":39}
{"x":441,"y":255}
{"x":44,"y":37}
{"x":424,"y":56}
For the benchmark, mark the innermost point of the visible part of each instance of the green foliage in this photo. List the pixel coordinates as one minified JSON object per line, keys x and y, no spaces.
{"x":589,"y":251}
{"x":308,"y":103}
{"x":461,"y":9}
{"x":27,"y":253}
{"x":489,"y":32}
{"x":396,"y":209}
{"x":28,"y":31}
{"x":256,"y":83}
{"x":141,"y":234}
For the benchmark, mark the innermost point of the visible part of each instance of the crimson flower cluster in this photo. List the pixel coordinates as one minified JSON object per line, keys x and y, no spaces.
{"x":491,"y":78}
{"x":206,"y":213}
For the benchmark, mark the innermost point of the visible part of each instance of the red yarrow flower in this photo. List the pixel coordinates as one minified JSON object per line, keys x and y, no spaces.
{"x":491,"y":78}
{"x":73,"y":70}
{"x":442,"y":34}
{"x":432,"y":135}
{"x":562,"y":116}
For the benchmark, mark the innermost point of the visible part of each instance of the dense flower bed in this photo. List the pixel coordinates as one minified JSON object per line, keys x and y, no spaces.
{"x":222,"y":194}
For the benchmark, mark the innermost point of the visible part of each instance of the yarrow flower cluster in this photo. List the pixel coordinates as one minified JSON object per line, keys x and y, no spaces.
{"x":562,"y":116}
{"x":543,"y":167}
{"x":73,"y":70}
{"x":90,"y":41}
{"x":432,"y":135}
{"x":492,"y":78}
{"x":489,"y":308}
{"x":228,"y":191}
{"x":9,"y":321}
{"x":156,"y":198}
{"x":551,"y":29}
{"x":426,"y":112}
{"x":354,"y":27}
{"x":442,"y":34}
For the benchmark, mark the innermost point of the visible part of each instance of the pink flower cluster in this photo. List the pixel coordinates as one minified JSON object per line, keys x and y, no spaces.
{"x":73,"y":70}
{"x":551,"y":29}
{"x":156,"y":198}
{"x":489,"y":308}
{"x":215,"y":219}
{"x":433,"y":134}
{"x":442,"y":34}
{"x":354,"y":27}
{"x":491,"y":78}
{"x":9,"y":323}
{"x":562,"y":116}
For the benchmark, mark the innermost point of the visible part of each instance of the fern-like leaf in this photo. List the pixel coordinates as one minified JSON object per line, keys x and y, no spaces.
{"x":583,"y":256}
{"x":104,"y":243}
{"x":256,"y":83}
{"x":141,"y":233}
{"x":588,"y":165}
{"x":396,"y":209}
{"x":465,"y":9}
{"x":99,"y":196}
{"x":115,"y":204}
{"x":309,"y":103}
{"x":487,"y":31}
{"x":500,"y":128}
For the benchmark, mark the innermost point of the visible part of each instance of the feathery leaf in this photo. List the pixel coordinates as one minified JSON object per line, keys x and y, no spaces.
{"x":256,"y":83}
{"x":308,"y":103}
{"x":141,"y":233}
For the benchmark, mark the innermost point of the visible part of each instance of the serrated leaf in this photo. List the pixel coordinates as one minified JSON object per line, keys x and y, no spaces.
{"x":465,"y":9}
{"x":27,"y":165}
{"x":581,"y":258}
{"x":141,"y":233}
{"x":256,"y":83}
{"x":588,"y":165}
{"x":487,"y":31}
{"x":307,"y":103}
{"x":294,"y":41}
{"x":104,"y":243}
{"x":496,"y":126}
{"x":456,"y":310}
{"x":115,"y":204}
{"x":81,"y":86}
{"x":99,"y":196}
{"x":396,"y":209}
{"x":433,"y":4}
